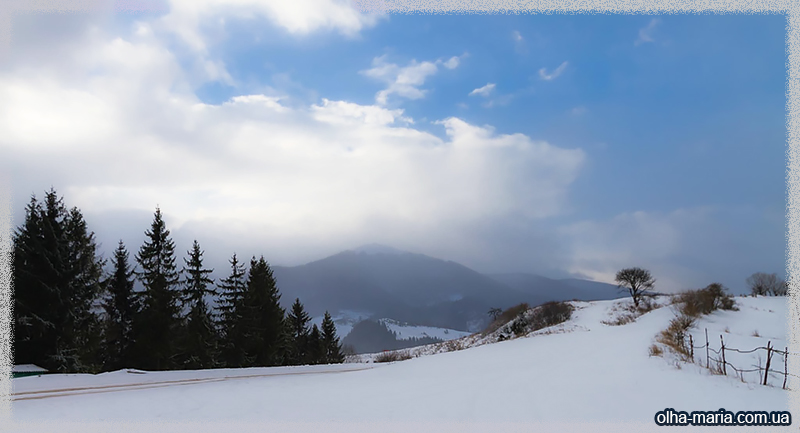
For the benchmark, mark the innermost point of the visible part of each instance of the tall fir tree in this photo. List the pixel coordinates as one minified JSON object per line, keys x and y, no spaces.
{"x":36,"y":297}
{"x":200,"y":339}
{"x":121,"y":306}
{"x":158,"y":324}
{"x":297,"y":324}
{"x":231,"y":311}
{"x":315,"y":349}
{"x":57,"y":275}
{"x":85,"y":281}
{"x":263,"y":317}
{"x":332,"y":350}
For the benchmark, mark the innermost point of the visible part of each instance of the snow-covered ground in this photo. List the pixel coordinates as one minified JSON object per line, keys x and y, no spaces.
{"x":581,"y":371}
{"x":406,"y":331}
{"x":344,"y":321}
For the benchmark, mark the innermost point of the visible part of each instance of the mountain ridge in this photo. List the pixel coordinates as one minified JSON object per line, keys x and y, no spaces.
{"x":416,"y":288}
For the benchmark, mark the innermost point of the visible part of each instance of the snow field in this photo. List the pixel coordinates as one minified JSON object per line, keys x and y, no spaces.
{"x":587,"y":373}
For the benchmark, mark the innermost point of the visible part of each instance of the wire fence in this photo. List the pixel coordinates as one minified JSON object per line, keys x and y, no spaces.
{"x":721,"y":364}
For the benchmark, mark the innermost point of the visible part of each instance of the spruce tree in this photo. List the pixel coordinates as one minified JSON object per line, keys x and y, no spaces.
{"x":200,"y":342}
{"x":36,"y":295}
{"x":121,"y":306}
{"x":231,"y":308}
{"x":297,"y":322}
{"x":57,"y":275}
{"x":263,"y":318}
{"x":314,"y":354}
{"x":159,"y":322}
{"x":332,"y":352}
{"x":85,"y":282}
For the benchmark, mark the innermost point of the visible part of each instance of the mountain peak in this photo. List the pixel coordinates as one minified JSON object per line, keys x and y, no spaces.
{"x":377,"y":249}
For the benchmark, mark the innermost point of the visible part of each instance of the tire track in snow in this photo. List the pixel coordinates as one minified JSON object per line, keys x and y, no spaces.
{"x":67,"y":392}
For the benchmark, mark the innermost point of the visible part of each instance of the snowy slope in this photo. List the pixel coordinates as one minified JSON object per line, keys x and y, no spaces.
{"x":585,"y":371}
{"x":405,"y":331}
{"x":344,"y":321}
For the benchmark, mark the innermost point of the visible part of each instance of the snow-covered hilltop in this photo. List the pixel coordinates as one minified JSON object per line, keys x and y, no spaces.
{"x":580,"y":370}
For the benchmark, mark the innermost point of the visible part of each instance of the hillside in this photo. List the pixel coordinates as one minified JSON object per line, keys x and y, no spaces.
{"x":579,"y":371}
{"x":387,"y":334}
{"x":402,"y":286}
{"x":383,"y":282}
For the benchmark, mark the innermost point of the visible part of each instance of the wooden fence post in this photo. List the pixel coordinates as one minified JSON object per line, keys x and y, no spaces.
{"x":722,"y":349}
{"x":706,"y":347}
{"x":691,"y":347}
{"x":769,"y":357}
{"x":785,"y":366}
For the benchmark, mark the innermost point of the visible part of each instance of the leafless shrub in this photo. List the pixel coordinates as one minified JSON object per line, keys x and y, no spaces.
{"x":392,"y":355}
{"x":505,"y":317}
{"x":756,"y":334}
{"x":674,"y":337}
{"x":453,"y":345}
{"x":762,"y":284}
{"x":695,"y":303}
{"x":551,"y":314}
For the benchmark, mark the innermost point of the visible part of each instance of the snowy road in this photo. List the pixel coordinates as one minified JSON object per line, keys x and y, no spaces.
{"x":37,"y":388}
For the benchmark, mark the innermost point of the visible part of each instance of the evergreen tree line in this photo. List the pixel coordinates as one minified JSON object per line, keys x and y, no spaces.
{"x":72,"y":316}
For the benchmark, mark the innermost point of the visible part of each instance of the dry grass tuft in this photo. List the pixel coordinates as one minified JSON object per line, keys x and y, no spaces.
{"x":655,"y":350}
{"x":674,"y":337}
{"x":392,"y":356}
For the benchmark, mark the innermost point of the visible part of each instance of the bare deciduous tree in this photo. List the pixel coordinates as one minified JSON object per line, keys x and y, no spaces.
{"x":637,"y":281}
{"x":764,"y":284}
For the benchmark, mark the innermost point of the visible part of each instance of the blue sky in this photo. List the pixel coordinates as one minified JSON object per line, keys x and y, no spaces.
{"x":557,"y":144}
{"x":655,"y":116}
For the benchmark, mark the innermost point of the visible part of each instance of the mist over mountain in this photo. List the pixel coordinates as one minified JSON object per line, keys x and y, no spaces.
{"x":390,"y":283}
{"x":538,"y":289}
{"x":415,"y":288}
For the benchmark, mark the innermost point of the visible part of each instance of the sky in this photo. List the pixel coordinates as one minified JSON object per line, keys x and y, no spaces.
{"x":564,"y":145}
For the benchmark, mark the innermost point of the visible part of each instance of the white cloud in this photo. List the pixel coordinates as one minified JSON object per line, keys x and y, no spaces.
{"x":348,"y":113}
{"x":297,"y":17}
{"x":517,"y":36}
{"x":406,"y":81}
{"x":484,"y":91}
{"x":452,"y":62}
{"x":646,"y":33}
{"x":553,"y":75}
{"x":116,"y":127}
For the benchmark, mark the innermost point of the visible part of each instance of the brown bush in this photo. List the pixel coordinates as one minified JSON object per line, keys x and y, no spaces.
{"x":506,"y":316}
{"x":550,"y":314}
{"x":695,"y":303}
{"x":391,"y":356}
{"x":674,"y":337}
